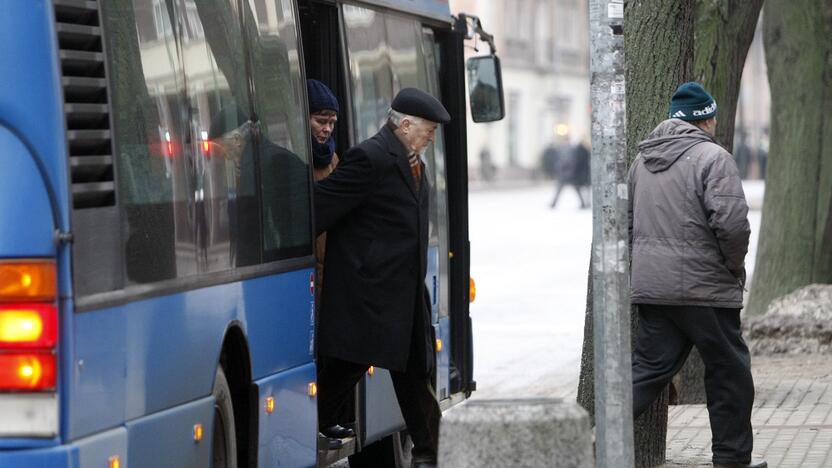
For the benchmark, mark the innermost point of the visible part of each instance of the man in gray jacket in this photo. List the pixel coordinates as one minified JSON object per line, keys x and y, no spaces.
{"x":689,"y":236}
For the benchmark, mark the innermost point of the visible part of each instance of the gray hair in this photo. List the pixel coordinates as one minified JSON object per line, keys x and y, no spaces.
{"x":395,"y":117}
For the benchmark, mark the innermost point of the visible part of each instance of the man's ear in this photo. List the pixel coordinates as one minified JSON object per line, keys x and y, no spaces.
{"x":405,"y":125}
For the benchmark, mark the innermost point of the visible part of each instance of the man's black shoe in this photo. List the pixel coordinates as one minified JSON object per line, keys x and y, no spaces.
{"x":338,"y":432}
{"x":759,"y":464}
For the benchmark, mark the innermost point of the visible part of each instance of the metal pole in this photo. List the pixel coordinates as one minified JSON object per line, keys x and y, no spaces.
{"x":610,"y":277}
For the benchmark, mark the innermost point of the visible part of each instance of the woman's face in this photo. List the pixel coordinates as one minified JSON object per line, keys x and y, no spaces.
{"x":323,"y":124}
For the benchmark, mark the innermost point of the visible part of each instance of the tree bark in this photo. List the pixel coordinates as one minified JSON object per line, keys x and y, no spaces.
{"x":659,"y":49}
{"x":724,"y":31}
{"x":795,"y":244}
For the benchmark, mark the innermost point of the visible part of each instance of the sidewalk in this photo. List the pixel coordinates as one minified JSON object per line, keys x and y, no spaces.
{"x":792,"y":417}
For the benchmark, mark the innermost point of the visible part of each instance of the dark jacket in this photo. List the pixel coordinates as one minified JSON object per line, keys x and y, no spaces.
{"x":688,"y":220}
{"x":374,"y":308}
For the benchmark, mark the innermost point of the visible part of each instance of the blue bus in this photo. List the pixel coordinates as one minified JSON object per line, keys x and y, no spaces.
{"x":156,"y":295}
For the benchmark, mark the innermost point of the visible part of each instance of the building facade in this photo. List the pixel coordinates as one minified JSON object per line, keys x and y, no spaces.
{"x":543,"y":47}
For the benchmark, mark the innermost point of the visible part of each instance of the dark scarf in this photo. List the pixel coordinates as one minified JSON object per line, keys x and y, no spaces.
{"x":322,"y":152}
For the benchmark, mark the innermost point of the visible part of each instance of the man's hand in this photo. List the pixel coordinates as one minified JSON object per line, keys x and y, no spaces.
{"x":740,"y":275}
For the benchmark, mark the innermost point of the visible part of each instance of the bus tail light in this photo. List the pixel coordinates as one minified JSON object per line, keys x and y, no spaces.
{"x":28,"y":326}
{"x":28,"y":348}
{"x":27,"y":371}
{"x":25,"y":281}
{"x":472,"y":289}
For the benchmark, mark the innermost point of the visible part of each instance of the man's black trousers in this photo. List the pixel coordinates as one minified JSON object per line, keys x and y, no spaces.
{"x":417,"y":400}
{"x":664,"y":339}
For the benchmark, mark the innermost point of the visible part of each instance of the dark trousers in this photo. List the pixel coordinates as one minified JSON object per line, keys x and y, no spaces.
{"x":664,"y":339}
{"x":417,"y":400}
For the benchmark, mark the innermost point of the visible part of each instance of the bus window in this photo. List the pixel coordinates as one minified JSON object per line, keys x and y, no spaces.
{"x":155,"y":179}
{"x":282,"y":141}
{"x":372,"y":79}
{"x":222,"y":150}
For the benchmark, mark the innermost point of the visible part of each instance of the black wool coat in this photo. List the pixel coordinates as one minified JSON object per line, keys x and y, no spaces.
{"x":374,"y":304}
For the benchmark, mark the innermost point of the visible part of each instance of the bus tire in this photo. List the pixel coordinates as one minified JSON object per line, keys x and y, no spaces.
{"x":392,"y":451}
{"x":224,"y":440}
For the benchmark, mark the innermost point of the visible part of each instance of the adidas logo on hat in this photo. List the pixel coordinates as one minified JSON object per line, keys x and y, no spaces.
{"x":678,"y":114}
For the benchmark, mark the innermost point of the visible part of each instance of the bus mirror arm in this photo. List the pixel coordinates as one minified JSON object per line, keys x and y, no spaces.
{"x":473,"y":28}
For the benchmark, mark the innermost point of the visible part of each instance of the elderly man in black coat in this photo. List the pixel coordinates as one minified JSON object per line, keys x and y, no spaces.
{"x":375,"y":307}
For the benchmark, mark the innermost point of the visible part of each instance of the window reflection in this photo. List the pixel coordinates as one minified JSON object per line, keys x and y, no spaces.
{"x":155,"y":178}
{"x":372,"y":77}
{"x":282,"y":143}
{"x":192,"y":157}
{"x":225,"y":195}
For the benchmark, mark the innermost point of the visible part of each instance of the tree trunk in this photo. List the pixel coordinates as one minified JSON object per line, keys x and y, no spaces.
{"x":659,"y":50}
{"x":724,"y":31}
{"x":795,"y":244}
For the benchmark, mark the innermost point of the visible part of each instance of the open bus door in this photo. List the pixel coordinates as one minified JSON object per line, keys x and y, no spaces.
{"x":365,"y":55}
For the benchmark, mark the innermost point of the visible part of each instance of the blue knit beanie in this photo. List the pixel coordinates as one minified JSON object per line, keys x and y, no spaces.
{"x":691,"y":102}
{"x":320,"y":97}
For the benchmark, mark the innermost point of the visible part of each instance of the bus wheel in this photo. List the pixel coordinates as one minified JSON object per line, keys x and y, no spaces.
{"x":392,"y":451}
{"x":224,"y":441}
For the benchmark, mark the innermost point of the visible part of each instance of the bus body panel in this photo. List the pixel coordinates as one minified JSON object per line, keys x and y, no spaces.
{"x":166,"y":439}
{"x":288,"y":436}
{"x":382,"y":415}
{"x":140,"y":366}
{"x":443,"y":358}
{"x":26,"y":227}
{"x":31,"y":102}
{"x":92,"y":451}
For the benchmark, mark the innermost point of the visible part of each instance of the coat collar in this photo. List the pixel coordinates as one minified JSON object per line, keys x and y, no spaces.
{"x":397,"y":149}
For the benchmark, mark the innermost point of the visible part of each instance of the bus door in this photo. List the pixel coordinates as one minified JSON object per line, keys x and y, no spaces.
{"x":387,"y":52}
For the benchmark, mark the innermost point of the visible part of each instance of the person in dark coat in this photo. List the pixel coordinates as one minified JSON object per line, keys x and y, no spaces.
{"x":689,"y":236}
{"x":572,"y":168}
{"x":375,"y":306}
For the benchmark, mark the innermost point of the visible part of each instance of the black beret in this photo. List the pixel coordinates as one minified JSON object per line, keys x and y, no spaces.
{"x":412,"y":101}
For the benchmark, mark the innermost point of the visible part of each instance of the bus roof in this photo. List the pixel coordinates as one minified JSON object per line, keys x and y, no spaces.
{"x":434,"y":9}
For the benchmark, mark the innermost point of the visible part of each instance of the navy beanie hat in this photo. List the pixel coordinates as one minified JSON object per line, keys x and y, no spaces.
{"x":320,"y":97}
{"x":691,"y":102}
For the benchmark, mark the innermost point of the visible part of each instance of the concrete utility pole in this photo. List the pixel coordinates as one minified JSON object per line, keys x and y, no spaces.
{"x":610,"y":256}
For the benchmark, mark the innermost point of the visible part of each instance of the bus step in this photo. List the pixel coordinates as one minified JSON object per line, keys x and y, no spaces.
{"x":327,"y":456}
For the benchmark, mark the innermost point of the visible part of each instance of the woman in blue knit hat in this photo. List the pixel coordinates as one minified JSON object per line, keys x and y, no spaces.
{"x":323,"y":115}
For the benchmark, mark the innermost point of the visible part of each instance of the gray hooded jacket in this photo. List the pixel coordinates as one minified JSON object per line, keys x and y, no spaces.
{"x":688,"y":220}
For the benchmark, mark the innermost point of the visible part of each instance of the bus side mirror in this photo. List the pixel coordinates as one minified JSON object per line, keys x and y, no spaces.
{"x":485,"y":88}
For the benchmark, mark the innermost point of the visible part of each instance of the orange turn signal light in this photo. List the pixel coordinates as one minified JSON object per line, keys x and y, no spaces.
{"x":114,"y":462}
{"x":472,"y":290}
{"x":198,"y":433}
{"x":371,"y":371}
{"x":438,"y":345}
{"x":28,"y":280}
{"x":313,"y":389}
{"x":270,"y":405}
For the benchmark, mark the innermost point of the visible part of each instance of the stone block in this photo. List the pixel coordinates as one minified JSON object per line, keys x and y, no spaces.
{"x":516,"y":433}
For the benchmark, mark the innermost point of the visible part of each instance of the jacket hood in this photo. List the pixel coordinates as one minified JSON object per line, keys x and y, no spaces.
{"x":668,"y":142}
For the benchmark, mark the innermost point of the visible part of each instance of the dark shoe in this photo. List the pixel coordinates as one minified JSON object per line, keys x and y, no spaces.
{"x":331,"y":443}
{"x":338,"y":432}
{"x":759,"y":464}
